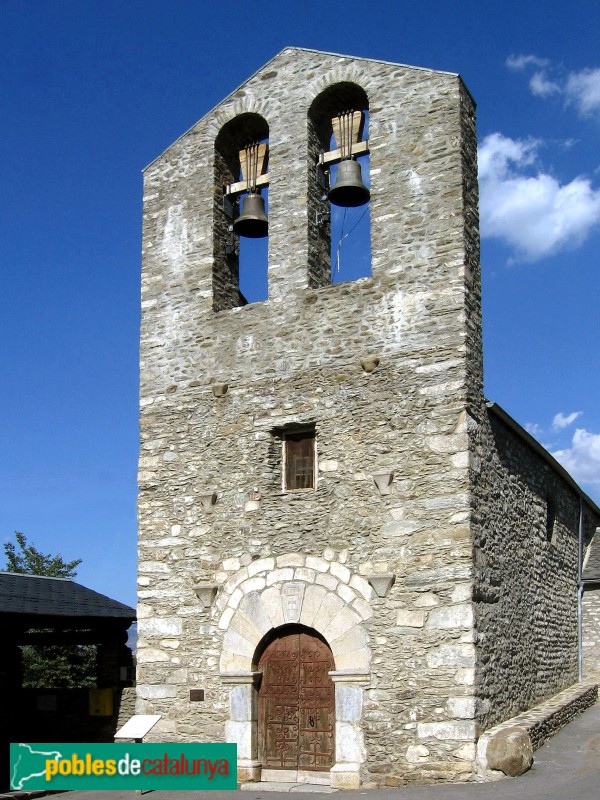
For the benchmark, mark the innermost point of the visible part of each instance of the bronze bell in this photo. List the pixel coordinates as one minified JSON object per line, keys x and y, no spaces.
{"x":348,"y":190}
{"x":252,"y":221}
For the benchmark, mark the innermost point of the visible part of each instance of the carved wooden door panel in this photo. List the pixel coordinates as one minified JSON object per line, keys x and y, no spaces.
{"x":316,"y":704}
{"x":296,"y":714}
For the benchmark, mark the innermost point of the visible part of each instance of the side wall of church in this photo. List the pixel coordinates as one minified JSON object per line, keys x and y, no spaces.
{"x":384,"y":368}
{"x":526,"y":535}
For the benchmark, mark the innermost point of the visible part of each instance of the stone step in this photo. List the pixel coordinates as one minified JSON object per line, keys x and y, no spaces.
{"x":279,"y":786}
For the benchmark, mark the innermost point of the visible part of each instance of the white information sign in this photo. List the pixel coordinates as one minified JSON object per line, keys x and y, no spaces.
{"x":138,"y":726}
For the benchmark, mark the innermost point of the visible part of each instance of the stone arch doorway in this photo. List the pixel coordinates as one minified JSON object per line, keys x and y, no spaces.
{"x":296,"y":704}
{"x":295,"y":589}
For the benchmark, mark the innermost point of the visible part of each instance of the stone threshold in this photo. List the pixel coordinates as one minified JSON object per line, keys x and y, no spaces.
{"x":280,"y":786}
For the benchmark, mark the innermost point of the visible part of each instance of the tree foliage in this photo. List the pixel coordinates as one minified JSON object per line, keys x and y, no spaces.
{"x":49,"y":666}
{"x":29,"y":561}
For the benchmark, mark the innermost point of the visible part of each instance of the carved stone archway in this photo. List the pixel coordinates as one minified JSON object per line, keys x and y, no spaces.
{"x":316,"y":593}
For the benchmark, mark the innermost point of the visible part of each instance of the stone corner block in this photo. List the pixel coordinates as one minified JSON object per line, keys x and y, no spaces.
{"x":446,"y":617}
{"x":456,"y":730}
{"x":461,"y":707}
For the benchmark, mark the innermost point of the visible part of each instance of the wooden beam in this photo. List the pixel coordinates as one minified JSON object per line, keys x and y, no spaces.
{"x":242,"y":186}
{"x":332,"y":156}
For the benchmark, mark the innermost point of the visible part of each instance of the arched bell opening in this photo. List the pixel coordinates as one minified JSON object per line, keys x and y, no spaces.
{"x":240,"y":244}
{"x":340,"y":216}
{"x":296,"y":704}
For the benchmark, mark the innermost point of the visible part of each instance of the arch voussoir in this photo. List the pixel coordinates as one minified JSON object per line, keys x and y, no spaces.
{"x":289,"y":590}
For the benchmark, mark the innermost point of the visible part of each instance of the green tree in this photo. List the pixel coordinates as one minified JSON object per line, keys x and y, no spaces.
{"x":31,"y":562}
{"x":49,"y":666}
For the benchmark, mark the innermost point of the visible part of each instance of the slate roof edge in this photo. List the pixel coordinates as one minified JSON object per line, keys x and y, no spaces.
{"x":541,"y":451}
{"x":304,"y":50}
{"x":37,"y":577}
{"x":590,"y":573}
{"x":115,"y":609}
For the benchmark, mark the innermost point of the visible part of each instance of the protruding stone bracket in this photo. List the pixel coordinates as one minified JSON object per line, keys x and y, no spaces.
{"x":382,"y":583}
{"x":219,"y":389}
{"x":208,"y":500}
{"x":370,"y":363}
{"x":206,"y":593}
{"x":383,"y":481}
{"x":253,"y":502}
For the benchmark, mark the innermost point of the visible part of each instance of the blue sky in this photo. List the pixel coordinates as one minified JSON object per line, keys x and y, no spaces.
{"x":93,"y":91}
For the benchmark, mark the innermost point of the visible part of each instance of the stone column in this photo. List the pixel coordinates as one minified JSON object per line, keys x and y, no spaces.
{"x":242,"y":726}
{"x":350,"y":751}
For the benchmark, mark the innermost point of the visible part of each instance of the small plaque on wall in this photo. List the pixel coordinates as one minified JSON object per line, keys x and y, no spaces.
{"x":196,"y":695}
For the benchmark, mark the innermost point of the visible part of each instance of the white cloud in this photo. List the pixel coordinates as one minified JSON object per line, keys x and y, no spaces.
{"x":518,"y":63}
{"x":533,"y":428}
{"x":541,"y":86}
{"x":583,"y":89}
{"x":561,"y":421}
{"x":580,"y":89}
{"x":532,"y":213}
{"x":582,"y":458}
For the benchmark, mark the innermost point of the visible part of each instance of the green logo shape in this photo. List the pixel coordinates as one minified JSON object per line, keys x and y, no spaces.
{"x":61,"y":766}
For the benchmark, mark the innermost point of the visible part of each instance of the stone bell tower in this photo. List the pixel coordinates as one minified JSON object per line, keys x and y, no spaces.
{"x":305,"y":556}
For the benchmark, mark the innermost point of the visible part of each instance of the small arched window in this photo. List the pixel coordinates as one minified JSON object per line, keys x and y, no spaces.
{"x":240,"y":220}
{"x":339,"y":214}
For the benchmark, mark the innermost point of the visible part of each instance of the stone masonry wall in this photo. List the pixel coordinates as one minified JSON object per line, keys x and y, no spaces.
{"x":591,"y":633}
{"x":525,"y":574}
{"x":211,"y":502}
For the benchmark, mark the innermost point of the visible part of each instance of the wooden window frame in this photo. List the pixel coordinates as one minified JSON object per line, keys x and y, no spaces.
{"x":307,"y":433}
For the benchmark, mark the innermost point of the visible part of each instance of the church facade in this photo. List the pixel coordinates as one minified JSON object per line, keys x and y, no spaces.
{"x":350,"y":564}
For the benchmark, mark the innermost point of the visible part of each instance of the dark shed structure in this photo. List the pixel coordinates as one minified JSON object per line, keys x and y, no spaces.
{"x":36,"y":610}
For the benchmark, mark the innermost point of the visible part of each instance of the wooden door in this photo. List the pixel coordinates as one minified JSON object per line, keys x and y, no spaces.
{"x":296,"y":704}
